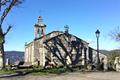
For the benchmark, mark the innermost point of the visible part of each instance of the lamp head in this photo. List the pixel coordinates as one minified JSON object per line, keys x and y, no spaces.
{"x":97,"y":33}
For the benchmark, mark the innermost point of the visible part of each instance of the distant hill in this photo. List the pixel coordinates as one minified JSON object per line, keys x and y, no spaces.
{"x":116,"y":51}
{"x":104,"y":51}
{"x":14,"y":56}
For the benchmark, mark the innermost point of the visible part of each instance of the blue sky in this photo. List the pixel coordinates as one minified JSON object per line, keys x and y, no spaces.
{"x":84,"y":17}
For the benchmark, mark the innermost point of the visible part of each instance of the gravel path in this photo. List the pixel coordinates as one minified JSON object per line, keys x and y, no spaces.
{"x":71,"y":76}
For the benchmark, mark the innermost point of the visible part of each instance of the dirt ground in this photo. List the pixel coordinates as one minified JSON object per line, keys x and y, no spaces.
{"x":71,"y":76}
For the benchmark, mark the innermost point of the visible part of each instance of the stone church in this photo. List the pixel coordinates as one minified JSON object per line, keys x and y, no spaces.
{"x":58,"y":48}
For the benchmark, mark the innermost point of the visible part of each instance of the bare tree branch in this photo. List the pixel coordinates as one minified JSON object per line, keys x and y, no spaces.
{"x":8,"y":29}
{"x":5,"y":7}
{"x":8,"y":8}
{"x":3,"y":2}
{"x":115,"y":34}
{"x":6,"y":11}
{"x":18,"y":2}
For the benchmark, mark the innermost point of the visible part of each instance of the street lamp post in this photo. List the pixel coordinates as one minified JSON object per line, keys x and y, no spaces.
{"x":97,"y":36}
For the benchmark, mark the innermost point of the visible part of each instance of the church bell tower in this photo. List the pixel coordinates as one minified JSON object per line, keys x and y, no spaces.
{"x":39,"y":28}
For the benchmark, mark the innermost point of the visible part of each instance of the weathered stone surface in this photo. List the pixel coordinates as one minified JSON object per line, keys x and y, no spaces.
{"x":117,"y":64}
{"x":105,"y":61}
{"x":1,"y":61}
{"x":59,"y":47}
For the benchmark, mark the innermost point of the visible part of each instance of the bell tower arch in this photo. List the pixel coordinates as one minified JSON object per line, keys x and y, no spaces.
{"x":39,"y":28}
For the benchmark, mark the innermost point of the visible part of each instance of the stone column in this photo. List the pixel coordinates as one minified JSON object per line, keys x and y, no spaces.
{"x":1,"y":61}
{"x":117,"y":64}
{"x":43,"y":54}
{"x":87,"y":55}
{"x":105,"y":64}
{"x":7,"y":62}
{"x":83,"y":57}
{"x":26,"y":54}
{"x":32,"y":54}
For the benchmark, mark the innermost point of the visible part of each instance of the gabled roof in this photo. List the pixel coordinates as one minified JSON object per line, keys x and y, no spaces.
{"x":61,"y":33}
{"x":49,"y":34}
{"x":65,"y":34}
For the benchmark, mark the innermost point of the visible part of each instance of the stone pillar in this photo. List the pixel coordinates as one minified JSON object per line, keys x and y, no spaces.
{"x":117,"y":64}
{"x":43,"y":54}
{"x":83,"y":57}
{"x":32,"y":54}
{"x":105,"y":64}
{"x":87,"y":55}
{"x":90,"y":55}
{"x":7,"y":62}
{"x":1,"y":61}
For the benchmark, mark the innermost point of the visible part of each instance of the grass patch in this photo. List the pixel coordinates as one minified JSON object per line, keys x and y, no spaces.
{"x":48,"y":71}
{"x":35,"y":71}
{"x":5,"y":71}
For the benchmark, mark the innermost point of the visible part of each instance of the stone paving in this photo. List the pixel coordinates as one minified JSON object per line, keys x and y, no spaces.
{"x":71,"y":76}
